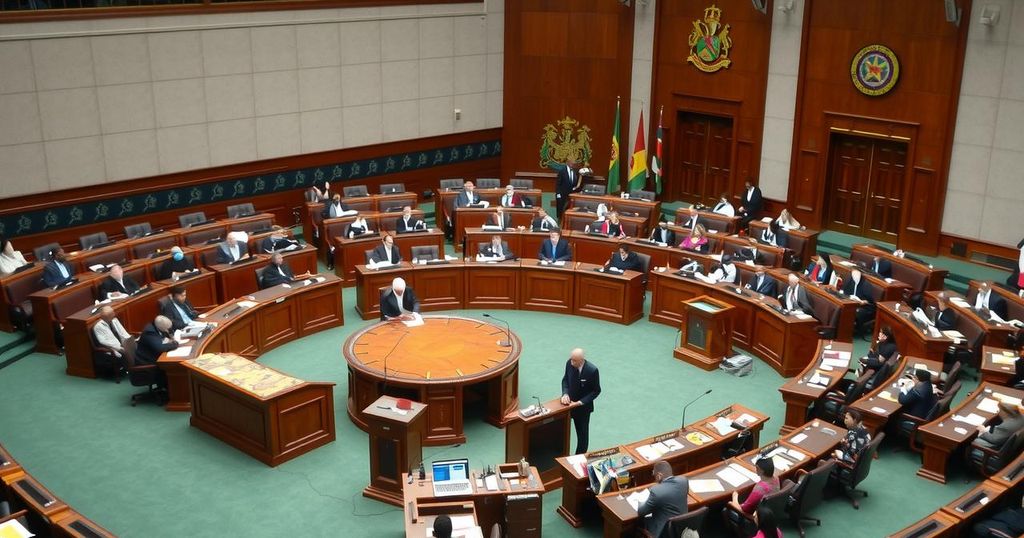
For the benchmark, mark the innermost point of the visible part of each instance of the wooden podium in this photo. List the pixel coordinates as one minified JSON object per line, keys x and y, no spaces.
{"x":706,"y":336}
{"x":396,"y":447}
{"x":540,"y":439}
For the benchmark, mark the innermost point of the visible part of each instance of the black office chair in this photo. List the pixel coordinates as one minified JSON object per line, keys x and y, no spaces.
{"x":355,"y":191}
{"x":189,"y":219}
{"x":240,"y":210}
{"x":592,"y":189}
{"x":259,"y":277}
{"x":429,"y":252}
{"x":133,"y":231}
{"x":642,"y":195}
{"x":645,"y":266}
{"x":104,"y":360}
{"x":488,"y":183}
{"x":834,"y":404}
{"x":906,"y":425}
{"x":808,"y":493}
{"x":140,"y":375}
{"x":452,"y":184}
{"x":744,"y":442}
{"x":849,"y":476}
{"x":742,"y":524}
{"x":45,"y":252}
{"x":392,"y":188}
{"x":91,"y":240}
{"x":989,"y":461}
{"x":367,"y":256}
{"x":677,"y":524}
{"x":521,"y":184}
{"x":952,"y":377}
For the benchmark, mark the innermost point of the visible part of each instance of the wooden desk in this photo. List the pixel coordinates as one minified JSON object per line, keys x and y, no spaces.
{"x":197,"y":235}
{"x":201,"y":288}
{"x":50,"y":307}
{"x":427,"y":238}
{"x":546,"y":287}
{"x":579,"y":221}
{"x":147,"y":246}
{"x":998,"y":373}
{"x":1014,"y":302}
{"x":1013,"y":474}
{"x":475,"y":217}
{"x":799,"y":395}
{"x":971,"y":323}
{"x":348,"y":253}
{"x":491,"y":284}
{"x":877,"y":406}
{"x":434,"y":364}
{"x":885,"y":289}
{"x":595,"y":249}
{"x":15,"y":289}
{"x":773,"y":256}
{"x":608,"y":295}
{"x":579,"y":503}
{"x":712,"y":221}
{"x":74,"y":525}
{"x":395,"y":446}
{"x":116,"y":252}
{"x":919,"y":275}
{"x":913,"y":340}
{"x":444,"y":201}
{"x":8,"y":466}
{"x":45,"y":508}
{"x":940,"y":437}
{"x":280,"y":315}
{"x":489,"y":505}
{"x":649,"y":212}
{"x":936,"y":525}
{"x":473,"y":237}
{"x":270,"y":416}
{"x":540,"y":439}
{"x":239,"y":280}
{"x":801,"y":241}
{"x":971,"y":504}
{"x":420,"y":519}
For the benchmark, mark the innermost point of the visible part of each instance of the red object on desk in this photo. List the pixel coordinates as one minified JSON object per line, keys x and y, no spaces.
{"x":403,"y":403}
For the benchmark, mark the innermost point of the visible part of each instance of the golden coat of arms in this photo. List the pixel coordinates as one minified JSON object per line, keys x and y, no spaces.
{"x":709,"y":48}
{"x":568,"y":140}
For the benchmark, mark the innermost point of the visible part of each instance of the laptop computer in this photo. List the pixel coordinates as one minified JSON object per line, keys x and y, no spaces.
{"x":451,"y":477}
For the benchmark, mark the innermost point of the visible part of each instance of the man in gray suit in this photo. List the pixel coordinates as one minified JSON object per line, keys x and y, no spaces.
{"x":667,"y":499}
{"x":997,"y":435}
{"x":795,"y":296}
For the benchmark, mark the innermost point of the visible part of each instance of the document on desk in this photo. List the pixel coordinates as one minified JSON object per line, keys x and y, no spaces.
{"x":1003,"y":358}
{"x":648,"y":452}
{"x":972,"y":419}
{"x":722,"y":425}
{"x":706,"y":486}
{"x":637,"y":498}
{"x":416,"y":320}
{"x":672,"y":445}
{"x":988,"y":405}
{"x":578,"y":463}
{"x":246,"y":304}
{"x":836,"y":363}
{"x":14,"y":529}
{"x":1006,"y":399}
{"x":730,"y":475}
{"x":798,"y":438}
{"x":181,"y":351}
{"x":491,"y":483}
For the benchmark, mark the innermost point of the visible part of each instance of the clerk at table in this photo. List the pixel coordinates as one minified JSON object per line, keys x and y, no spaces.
{"x":496,"y":249}
{"x":117,"y":284}
{"x":554,"y":249}
{"x":623,"y":259}
{"x":580,"y":383}
{"x":398,"y":302}
{"x":666,"y":499}
{"x":178,"y":309}
{"x":58,"y":271}
{"x":386,"y":251}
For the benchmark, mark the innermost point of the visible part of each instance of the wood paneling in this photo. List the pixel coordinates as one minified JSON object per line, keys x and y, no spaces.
{"x":736,"y":92}
{"x":920,"y":110}
{"x":566,"y":58}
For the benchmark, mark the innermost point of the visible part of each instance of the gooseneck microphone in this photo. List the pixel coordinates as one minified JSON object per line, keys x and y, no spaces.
{"x":508,"y":332}
{"x":683,"y":425}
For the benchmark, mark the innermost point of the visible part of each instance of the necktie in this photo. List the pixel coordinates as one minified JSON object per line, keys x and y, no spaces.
{"x":63,"y":270}
{"x":552,"y":251}
{"x":718,"y":207}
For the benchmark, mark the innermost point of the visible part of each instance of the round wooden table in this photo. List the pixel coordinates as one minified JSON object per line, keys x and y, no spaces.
{"x":434,"y":363}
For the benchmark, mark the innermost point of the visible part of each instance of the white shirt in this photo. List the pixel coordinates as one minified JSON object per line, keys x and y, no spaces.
{"x":727,"y":273}
{"x":398,"y":298}
{"x":981,"y":301}
{"x":768,"y":237}
{"x":110,"y":338}
{"x":750,"y":193}
{"x":9,"y":263}
{"x":791,"y":295}
{"x":725,"y":208}
{"x":235,"y":252}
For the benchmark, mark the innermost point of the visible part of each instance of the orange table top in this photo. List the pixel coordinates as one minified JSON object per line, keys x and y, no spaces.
{"x":444,"y":349}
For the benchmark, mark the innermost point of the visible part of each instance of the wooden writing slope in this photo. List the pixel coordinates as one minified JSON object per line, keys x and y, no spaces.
{"x":706,"y":332}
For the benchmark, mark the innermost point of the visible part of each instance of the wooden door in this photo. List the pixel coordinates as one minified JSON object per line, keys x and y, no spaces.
{"x":704,"y":158}
{"x":866,"y":186}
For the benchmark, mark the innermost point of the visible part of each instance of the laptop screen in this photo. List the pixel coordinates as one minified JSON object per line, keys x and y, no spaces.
{"x":449,"y":470}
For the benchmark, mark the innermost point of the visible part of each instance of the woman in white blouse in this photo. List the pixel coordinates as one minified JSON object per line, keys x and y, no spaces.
{"x":786,"y":221}
{"x":10,"y":259}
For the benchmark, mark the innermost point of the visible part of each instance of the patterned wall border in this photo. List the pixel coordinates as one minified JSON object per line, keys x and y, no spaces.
{"x":49,"y":220}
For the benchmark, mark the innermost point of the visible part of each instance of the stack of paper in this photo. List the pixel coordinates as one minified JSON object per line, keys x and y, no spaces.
{"x":797,"y":439}
{"x":972,"y":419}
{"x":578,"y":462}
{"x":181,"y":351}
{"x":246,"y":304}
{"x":988,"y":405}
{"x":637,"y":498}
{"x":673,"y":445}
{"x":648,"y":452}
{"x":836,"y":363}
{"x":706,"y":486}
{"x":1006,"y":399}
{"x":886,"y":395}
{"x":732,"y":477}
{"x":1006,"y":357}
{"x":722,"y":425}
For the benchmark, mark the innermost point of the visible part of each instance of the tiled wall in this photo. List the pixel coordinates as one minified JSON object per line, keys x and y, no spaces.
{"x":780,"y":102}
{"x":985,"y":196}
{"x":640,"y":92}
{"x":87,"y":102}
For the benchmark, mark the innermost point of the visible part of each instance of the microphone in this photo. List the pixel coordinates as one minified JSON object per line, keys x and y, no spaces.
{"x":683,"y":425}
{"x":508,"y":331}
{"x":384,"y":389}
{"x":540,"y":406}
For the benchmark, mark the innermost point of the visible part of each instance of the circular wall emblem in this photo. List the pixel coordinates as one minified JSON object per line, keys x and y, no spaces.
{"x":875,"y":70}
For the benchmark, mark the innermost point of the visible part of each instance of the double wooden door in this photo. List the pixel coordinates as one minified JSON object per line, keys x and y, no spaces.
{"x":702,"y":158}
{"x":865,"y":187}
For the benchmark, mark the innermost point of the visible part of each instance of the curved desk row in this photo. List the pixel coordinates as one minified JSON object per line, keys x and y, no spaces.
{"x":526,"y":284}
{"x":696,"y":445}
{"x":350,"y":252}
{"x":46,"y":513}
{"x":821,"y":376}
{"x":256,"y":324}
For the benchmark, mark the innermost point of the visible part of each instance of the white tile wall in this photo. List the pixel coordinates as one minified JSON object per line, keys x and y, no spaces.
{"x":640,"y":83}
{"x":780,"y":103}
{"x":127,"y":98}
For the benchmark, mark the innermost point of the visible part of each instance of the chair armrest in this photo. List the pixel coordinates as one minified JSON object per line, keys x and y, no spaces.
{"x":844,"y":465}
{"x":995,"y":533}
{"x":142,"y":367}
{"x":917,"y":421}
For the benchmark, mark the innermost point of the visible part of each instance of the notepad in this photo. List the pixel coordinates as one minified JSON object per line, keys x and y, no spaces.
{"x":722,"y":425}
{"x":796,"y":454}
{"x":972,"y":419}
{"x":1006,"y":399}
{"x":1003,"y":358}
{"x":673,"y":445}
{"x":988,"y":405}
{"x":886,"y":395}
{"x":730,"y":475}
{"x":706,"y":486}
{"x":836,"y":363}
{"x":798,"y":438}
{"x":637,"y":498}
{"x":182,"y":351}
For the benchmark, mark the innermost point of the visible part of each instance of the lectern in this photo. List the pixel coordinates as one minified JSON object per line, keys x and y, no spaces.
{"x":540,"y":438}
{"x":396,"y":446}
{"x":706,"y":332}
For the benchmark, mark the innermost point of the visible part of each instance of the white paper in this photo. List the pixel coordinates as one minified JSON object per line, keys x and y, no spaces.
{"x":246,"y":304}
{"x":182,"y":351}
{"x":706,"y":486}
{"x":988,"y":405}
{"x":798,"y":438}
{"x":415,"y":322}
{"x":673,"y":445}
{"x":722,"y":425}
{"x":796,"y":454}
{"x":836,"y":363}
{"x":637,"y":498}
{"x":972,"y":419}
{"x":491,"y":483}
{"x":752,"y":476}
{"x":730,"y":475}
{"x":1006,"y":399}
{"x":14,"y":528}
{"x":878,"y":410}
{"x":647,"y":452}
{"x":560,"y":263}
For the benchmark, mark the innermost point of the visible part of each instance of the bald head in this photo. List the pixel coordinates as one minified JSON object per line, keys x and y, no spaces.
{"x":793,"y":279}
{"x":162,"y":323}
{"x":398,"y":285}
{"x":107,"y":313}
{"x":662,"y":470}
{"x":576,"y":358}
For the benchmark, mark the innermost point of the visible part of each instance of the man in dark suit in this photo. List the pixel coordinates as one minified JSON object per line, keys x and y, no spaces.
{"x":857,"y":288}
{"x":988,"y":301}
{"x":58,"y":271}
{"x":386,"y":251}
{"x":568,"y":180}
{"x":994,"y":435}
{"x":662,"y":234}
{"x":408,"y":223}
{"x":666,"y":500}
{"x":497,"y":249}
{"x":580,"y":383}
{"x":336,"y":208}
{"x":917,"y":398}
{"x":795,"y":296}
{"x":178,"y":309}
{"x":751,"y":204}
{"x":117,"y":285}
{"x":751,"y":253}
{"x":624,"y":260}
{"x":554,"y":249}
{"x":763,"y":284}
{"x":277,"y":241}
{"x":154,"y":341}
{"x":543,"y":221}
{"x":692,"y":219}
{"x":277,"y":272}
{"x":468,"y":197}
{"x":945,"y":317}
{"x":398,"y":302}
{"x":231,"y":250}
{"x":881,"y":267}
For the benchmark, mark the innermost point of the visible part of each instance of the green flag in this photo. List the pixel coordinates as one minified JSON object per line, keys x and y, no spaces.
{"x":613,"y":168}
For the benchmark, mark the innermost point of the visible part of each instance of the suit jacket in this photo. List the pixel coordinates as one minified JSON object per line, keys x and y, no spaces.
{"x":780,"y":239}
{"x":768,"y":286}
{"x":505,"y":221}
{"x":566,"y":184}
{"x":861,"y":290}
{"x":273,"y":277}
{"x":945,"y":320}
{"x":329,"y":208}
{"x":379,"y":254}
{"x":562,"y":251}
{"x":752,"y":201}
{"x":515,"y":200}
{"x":152,"y":345}
{"x":170,"y":266}
{"x":269,"y":244}
{"x":544,"y":223}
{"x":224,"y":253}
{"x":748,"y":253}
{"x":999,"y":433}
{"x":919,"y":400}
{"x":666,"y":236}
{"x":127,"y":286}
{"x":389,"y":303}
{"x":631,"y":263}
{"x":169,"y":311}
{"x":995,"y":303}
{"x":506,"y":252}
{"x":51,"y":273}
{"x":666,"y":500}
{"x":883,"y":268}
{"x":582,"y":386}
{"x":824,"y":275}
{"x":691,"y":222}
{"x":802,"y":301}
{"x":464,"y":200}
{"x":110,"y":335}
{"x":414,"y":224}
